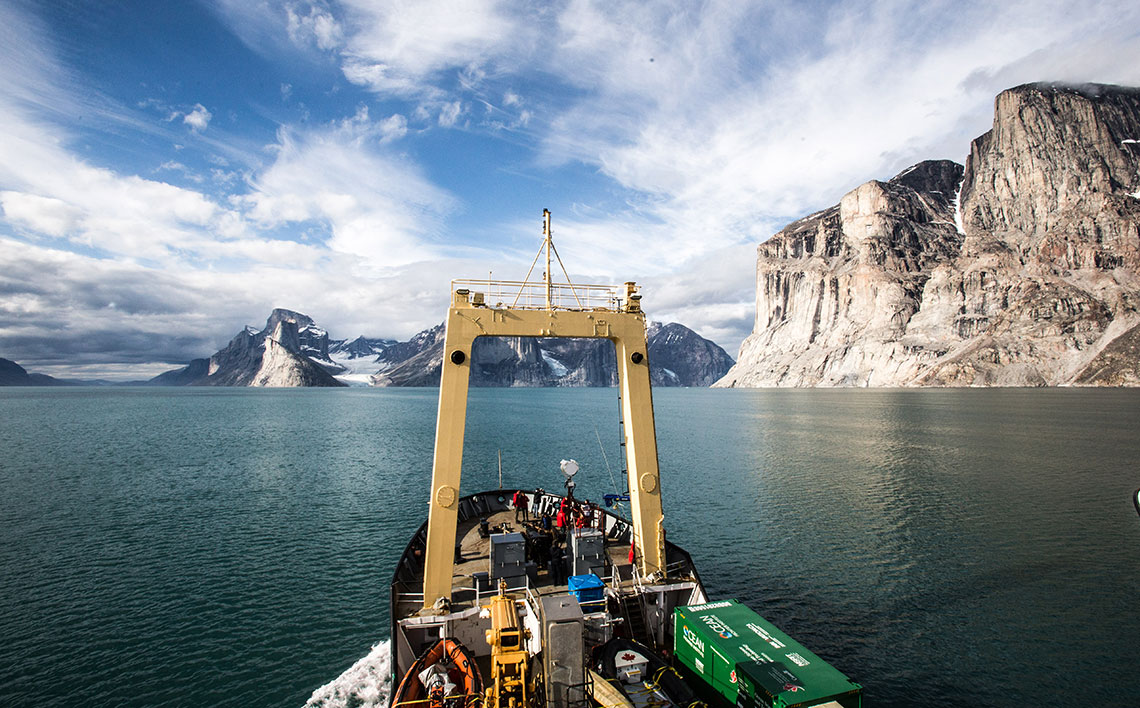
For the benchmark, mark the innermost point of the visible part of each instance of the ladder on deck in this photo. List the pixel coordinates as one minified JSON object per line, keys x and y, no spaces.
{"x":633,"y":610}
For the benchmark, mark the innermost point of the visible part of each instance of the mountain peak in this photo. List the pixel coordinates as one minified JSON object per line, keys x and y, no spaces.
{"x":291,"y":351}
{"x":280,"y":314}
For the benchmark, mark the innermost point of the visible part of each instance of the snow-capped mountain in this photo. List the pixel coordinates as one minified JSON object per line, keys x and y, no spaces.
{"x":289,"y":351}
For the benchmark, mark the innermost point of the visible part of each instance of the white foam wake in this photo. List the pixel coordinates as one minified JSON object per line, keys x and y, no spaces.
{"x":366,"y":684}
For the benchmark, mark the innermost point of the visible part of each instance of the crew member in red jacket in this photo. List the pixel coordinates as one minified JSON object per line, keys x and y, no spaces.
{"x":522,"y":505}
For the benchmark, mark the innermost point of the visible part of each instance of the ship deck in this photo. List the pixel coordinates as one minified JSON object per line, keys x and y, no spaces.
{"x":414,"y":627}
{"x":473,"y":557}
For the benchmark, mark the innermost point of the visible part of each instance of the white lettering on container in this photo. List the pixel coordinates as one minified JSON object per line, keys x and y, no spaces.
{"x":766,"y":636}
{"x":749,"y":652}
{"x":709,"y":606}
{"x":717,"y":625}
{"x":693,"y":640}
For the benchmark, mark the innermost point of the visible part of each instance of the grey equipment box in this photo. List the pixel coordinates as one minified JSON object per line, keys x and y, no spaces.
{"x":508,"y":555}
{"x":587,"y":552}
{"x":565,"y":672}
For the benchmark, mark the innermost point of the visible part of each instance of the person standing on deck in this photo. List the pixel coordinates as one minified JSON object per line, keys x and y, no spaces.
{"x":588,"y":515}
{"x":561,"y":520}
{"x":522,"y":504}
{"x":558,"y":564}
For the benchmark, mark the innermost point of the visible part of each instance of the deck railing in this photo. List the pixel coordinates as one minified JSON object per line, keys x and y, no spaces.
{"x":532,"y":295}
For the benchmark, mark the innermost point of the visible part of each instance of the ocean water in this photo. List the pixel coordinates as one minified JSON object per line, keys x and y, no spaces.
{"x":232,"y":547}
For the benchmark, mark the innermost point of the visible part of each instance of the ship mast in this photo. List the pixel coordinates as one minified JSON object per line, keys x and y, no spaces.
{"x":549,"y":243}
{"x":543,"y":309}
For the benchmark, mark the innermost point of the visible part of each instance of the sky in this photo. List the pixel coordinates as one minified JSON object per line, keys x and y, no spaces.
{"x":172,"y":171}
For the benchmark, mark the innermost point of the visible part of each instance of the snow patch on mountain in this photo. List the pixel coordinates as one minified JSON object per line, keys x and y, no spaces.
{"x":556,"y":367}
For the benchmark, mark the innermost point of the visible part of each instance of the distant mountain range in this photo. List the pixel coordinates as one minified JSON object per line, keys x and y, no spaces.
{"x":678,"y":356}
{"x":291,"y":350}
{"x":12,"y":374}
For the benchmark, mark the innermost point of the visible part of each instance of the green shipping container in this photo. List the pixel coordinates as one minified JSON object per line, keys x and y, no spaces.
{"x":751,"y":663}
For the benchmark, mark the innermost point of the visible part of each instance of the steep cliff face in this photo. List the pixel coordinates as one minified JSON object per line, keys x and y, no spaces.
{"x":834,"y":286}
{"x":1025,"y":284}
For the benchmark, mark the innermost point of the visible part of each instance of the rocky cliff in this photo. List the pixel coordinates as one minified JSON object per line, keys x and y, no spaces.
{"x":1020,"y":269}
{"x":280,"y":354}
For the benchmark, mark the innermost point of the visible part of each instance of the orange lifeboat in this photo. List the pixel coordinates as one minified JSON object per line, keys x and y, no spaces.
{"x":445,"y":676}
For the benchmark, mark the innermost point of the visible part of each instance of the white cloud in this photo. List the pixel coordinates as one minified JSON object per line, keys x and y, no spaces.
{"x":397,"y":48}
{"x":198,"y":118}
{"x":318,"y":26}
{"x":51,"y":191}
{"x":378,"y":206}
{"x":45,"y":215}
{"x":140,"y":270}
{"x":393,"y":127}
{"x":450,"y":113}
{"x":75,"y":315}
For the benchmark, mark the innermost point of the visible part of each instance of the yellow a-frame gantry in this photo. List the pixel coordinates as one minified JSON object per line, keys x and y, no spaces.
{"x":621,"y":322}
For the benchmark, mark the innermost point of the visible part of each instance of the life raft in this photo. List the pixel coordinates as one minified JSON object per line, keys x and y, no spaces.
{"x":444,"y":676}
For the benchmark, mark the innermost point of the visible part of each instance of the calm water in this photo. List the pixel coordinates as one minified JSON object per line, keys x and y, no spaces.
{"x":232,"y":547}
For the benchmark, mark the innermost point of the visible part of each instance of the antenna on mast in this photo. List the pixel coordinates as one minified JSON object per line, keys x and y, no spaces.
{"x":548,"y":243}
{"x":548,"y":246}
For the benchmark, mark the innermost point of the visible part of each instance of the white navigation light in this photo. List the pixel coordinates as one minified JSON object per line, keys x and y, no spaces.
{"x":569,"y":468}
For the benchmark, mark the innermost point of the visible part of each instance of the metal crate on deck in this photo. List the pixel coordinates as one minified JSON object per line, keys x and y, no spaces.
{"x":587,"y":552}
{"x":508,"y":555}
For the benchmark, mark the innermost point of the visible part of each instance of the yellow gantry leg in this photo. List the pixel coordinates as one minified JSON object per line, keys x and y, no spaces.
{"x":447,"y":465}
{"x":641,"y":457}
{"x":468,"y":320}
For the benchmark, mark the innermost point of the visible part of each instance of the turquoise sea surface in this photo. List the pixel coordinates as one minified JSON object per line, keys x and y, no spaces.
{"x":233,"y":547}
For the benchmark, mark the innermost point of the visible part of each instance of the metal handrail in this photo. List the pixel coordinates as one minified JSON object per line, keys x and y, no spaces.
{"x":531,"y":295}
